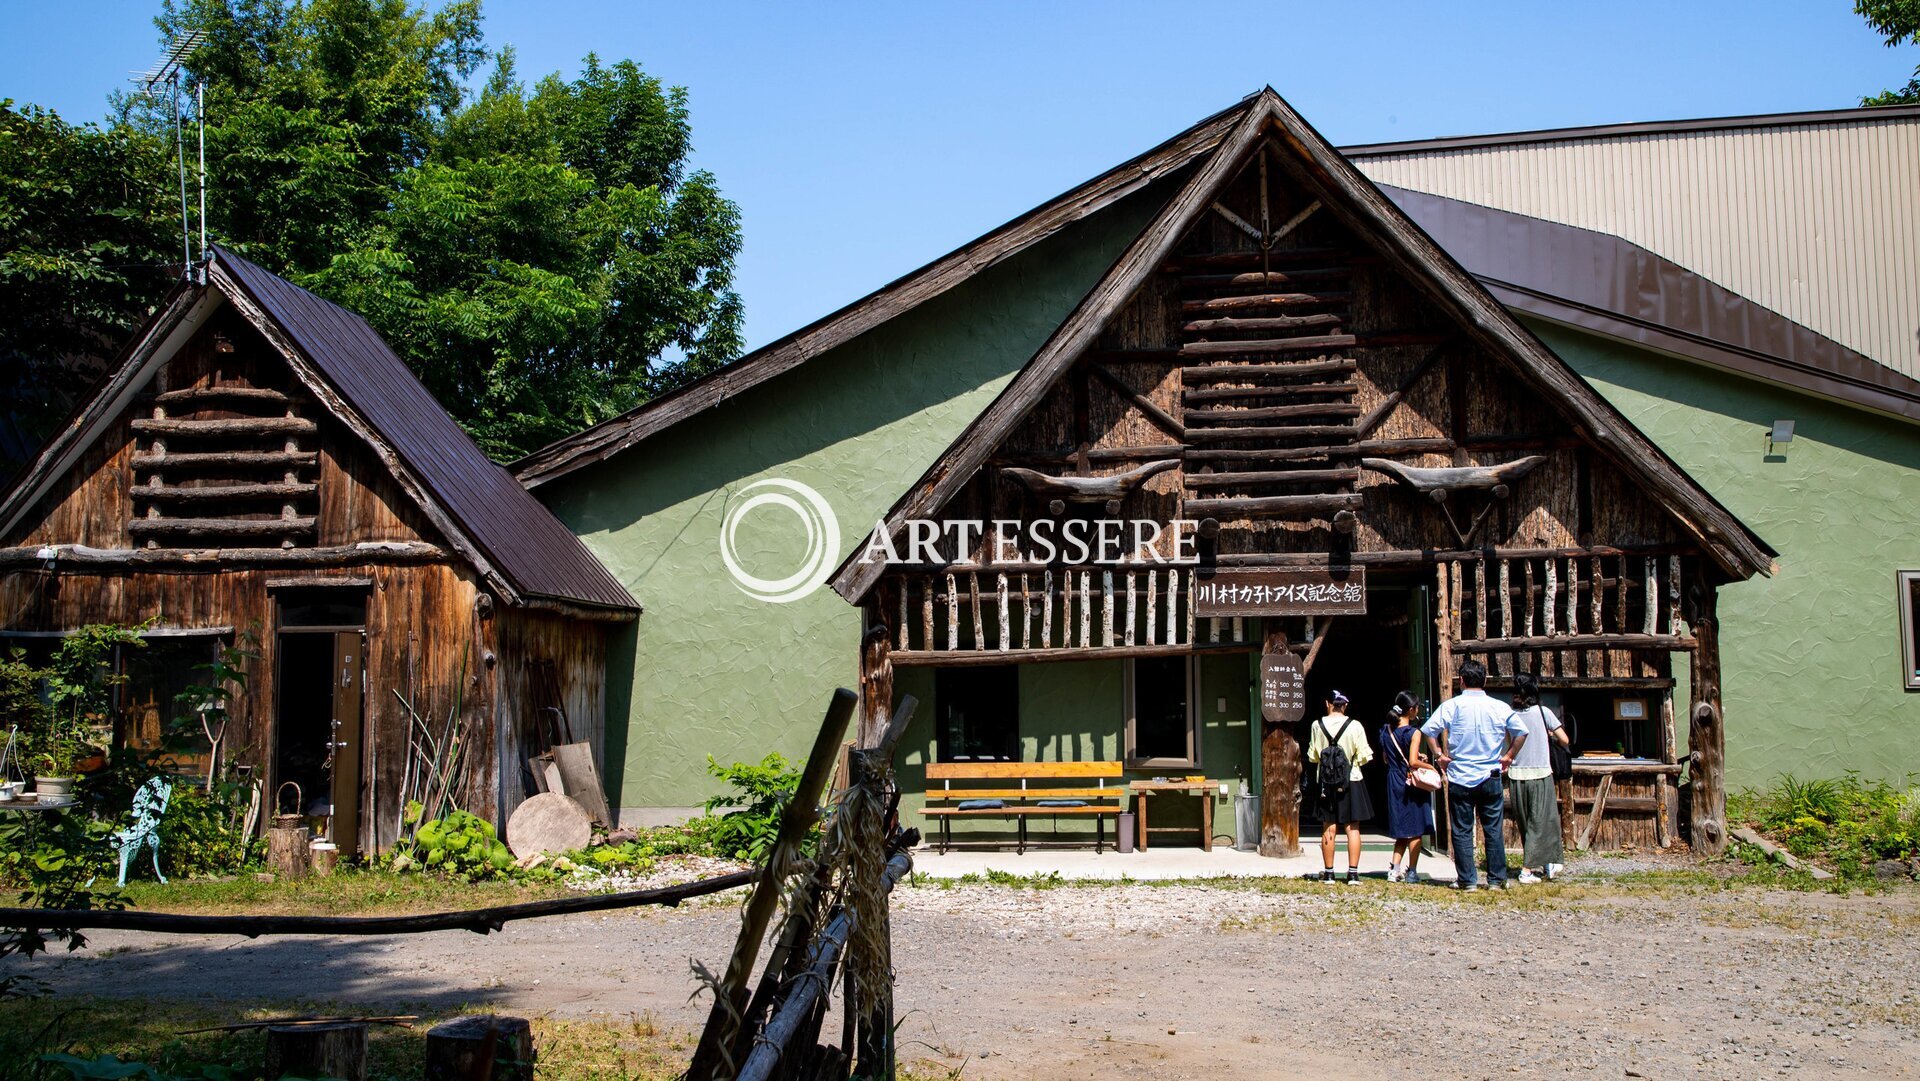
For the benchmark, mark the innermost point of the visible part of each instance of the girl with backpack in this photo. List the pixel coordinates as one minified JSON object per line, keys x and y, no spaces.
{"x":1337,"y":749}
{"x":1409,"y":806}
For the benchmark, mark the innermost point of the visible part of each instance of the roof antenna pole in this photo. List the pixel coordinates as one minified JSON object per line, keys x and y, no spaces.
{"x":168,"y":71}
{"x":200,"y":117}
{"x":180,"y":159}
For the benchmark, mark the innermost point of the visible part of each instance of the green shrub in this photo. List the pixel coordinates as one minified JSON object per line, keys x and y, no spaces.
{"x":640,"y":855}
{"x":1846,"y":824}
{"x":761,"y":791}
{"x":461,"y":844}
{"x":199,"y":835}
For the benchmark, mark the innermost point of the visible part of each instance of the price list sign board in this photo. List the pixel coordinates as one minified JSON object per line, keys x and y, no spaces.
{"x":1283,"y":688}
{"x":1290,"y":591}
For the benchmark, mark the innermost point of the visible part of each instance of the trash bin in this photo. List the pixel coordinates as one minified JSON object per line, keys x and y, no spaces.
{"x":1124,"y":827}
{"x":1246,"y":820}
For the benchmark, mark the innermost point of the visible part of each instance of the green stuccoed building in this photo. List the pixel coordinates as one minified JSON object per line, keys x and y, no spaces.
{"x":1346,"y":359}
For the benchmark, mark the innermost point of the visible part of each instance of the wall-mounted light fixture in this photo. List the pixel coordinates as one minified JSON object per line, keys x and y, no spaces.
{"x":1779,"y":436}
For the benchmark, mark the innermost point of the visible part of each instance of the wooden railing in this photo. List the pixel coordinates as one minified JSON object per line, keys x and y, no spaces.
{"x":1561,"y":603}
{"x":982,"y":613}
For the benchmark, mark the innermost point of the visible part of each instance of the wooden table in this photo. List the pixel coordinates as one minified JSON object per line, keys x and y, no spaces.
{"x":1144,"y":789}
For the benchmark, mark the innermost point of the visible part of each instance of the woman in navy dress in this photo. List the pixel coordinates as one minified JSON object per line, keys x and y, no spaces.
{"x":1409,"y":809}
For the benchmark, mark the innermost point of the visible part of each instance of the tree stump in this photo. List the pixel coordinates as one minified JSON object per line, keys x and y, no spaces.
{"x":324,"y":858}
{"x":317,"y":1051}
{"x":462,"y":1049}
{"x":288,"y":851}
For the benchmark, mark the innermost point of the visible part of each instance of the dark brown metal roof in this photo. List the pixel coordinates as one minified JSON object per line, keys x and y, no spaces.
{"x":1615,"y":287}
{"x":1650,"y":127}
{"x":537,"y":554}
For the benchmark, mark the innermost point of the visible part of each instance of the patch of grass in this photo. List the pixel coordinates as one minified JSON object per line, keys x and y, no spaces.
{"x":346,"y":892}
{"x":1845,"y":824}
{"x":151,"y":1031}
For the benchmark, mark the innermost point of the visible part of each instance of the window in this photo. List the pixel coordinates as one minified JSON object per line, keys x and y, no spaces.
{"x":1910,"y":629}
{"x":1162,"y":721}
{"x":150,"y":718}
{"x":978,"y":713}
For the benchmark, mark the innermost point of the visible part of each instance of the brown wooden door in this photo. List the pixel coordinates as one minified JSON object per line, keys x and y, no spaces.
{"x":347,"y":740}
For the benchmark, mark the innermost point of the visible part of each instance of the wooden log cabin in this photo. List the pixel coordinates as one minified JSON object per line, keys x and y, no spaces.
{"x":260,"y":469}
{"x":1341,"y":447}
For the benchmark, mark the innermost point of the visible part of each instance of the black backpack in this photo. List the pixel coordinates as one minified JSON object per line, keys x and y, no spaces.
{"x":1336,"y":773}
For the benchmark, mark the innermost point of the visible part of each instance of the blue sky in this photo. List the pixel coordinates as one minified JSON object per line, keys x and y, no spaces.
{"x":864,"y":140}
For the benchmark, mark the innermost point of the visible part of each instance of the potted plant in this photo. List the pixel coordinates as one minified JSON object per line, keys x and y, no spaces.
{"x":78,"y":695}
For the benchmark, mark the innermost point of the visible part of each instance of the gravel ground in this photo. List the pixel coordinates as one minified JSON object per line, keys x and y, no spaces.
{"x":1586,"y":979}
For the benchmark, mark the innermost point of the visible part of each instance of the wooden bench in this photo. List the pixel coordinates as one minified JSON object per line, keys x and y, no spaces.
{"x":1018,"y":789}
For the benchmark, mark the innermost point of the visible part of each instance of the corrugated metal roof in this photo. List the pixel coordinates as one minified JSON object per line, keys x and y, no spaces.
{"x":1601,"y":282}
{"x":529,"y":546}
{"x":1816,"y":216}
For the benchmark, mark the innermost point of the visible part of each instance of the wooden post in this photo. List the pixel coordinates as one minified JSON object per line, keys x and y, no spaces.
{"x":1706,"y":733}
{"x":333,"y":1051}
{"x":1480,"y":598}
{"x":973,"y":606}
{"x":1026,"y":612}
{"x":927,"y":640}
{"x":1001,"y":582}
{"x":1046,"y":610}
{"x":870,"y":946}
{"x":1596,"y":596}
{"x":953,"y":614}
{"x":484,"y":1047}
{"x":1280,"y":769}
{"x":900,"y":628}
{"x":876,"y":682}
{"x":1086,"y":609}
{"x":802,"y":810}
{"x":1106,"y":608}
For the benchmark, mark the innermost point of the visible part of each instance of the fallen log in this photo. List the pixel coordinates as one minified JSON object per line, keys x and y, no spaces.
{"x":1775,"y":852}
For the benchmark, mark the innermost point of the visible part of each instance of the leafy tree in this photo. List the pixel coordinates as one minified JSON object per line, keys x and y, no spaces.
{"x":550,"y":249}
{"x":542,"y":256}
{"x":84,"y":223}
{"x":1898,"y":21}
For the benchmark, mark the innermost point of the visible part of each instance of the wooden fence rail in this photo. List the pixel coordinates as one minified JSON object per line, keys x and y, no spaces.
{"x":479,"y":920}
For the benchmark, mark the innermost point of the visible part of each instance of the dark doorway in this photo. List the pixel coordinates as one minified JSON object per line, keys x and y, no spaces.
{"x":1365,"y":658}
{"x":318,"y":729}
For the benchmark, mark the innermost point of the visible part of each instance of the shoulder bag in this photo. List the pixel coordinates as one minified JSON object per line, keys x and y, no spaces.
{"x":1426,"y":778}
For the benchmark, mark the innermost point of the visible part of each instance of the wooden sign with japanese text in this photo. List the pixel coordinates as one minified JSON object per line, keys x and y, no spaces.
{"x":1282,"y":591}
{"x":1283,"y":687}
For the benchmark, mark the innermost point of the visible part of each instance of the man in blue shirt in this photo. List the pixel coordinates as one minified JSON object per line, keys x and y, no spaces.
{"x":1476,"y":737}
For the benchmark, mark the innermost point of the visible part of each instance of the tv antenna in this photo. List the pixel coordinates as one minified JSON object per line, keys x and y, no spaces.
{"x":166,"y":73}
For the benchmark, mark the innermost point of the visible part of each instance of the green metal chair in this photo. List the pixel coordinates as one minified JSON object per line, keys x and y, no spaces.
{"x":149,"y":804}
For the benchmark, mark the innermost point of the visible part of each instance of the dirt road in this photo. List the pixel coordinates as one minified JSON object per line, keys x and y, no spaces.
{"x":1209,"y":982}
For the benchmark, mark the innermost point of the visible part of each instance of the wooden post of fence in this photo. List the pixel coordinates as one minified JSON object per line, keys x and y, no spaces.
{"x":730,"y":999}
{"x":870,"y":948}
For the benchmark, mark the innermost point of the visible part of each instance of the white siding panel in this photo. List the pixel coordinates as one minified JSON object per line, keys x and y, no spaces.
{"x":1818,"y":221}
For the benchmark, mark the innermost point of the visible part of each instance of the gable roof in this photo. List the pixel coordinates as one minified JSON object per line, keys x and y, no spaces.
{"x":1600,"y":282}
{"x":1363,"y":208}
{"x":1527,"y":263}
{"x":517,"y":545}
